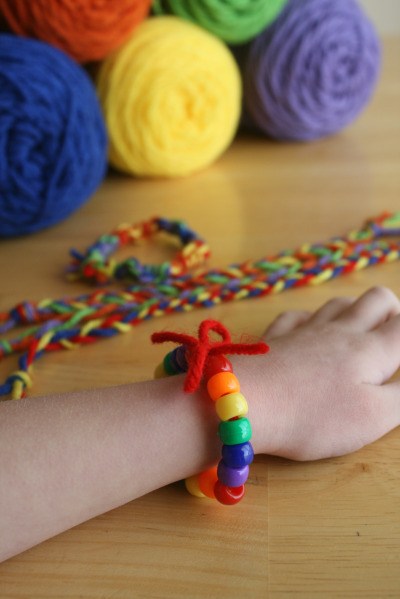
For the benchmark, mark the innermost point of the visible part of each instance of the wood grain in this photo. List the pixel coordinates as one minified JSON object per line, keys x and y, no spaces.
{"x":327,"y":529}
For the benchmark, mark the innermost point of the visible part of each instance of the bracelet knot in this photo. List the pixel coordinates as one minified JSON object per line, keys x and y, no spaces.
{"x":199,"y":349}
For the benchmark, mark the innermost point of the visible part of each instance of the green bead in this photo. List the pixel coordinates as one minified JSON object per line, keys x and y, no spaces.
{"x":168,"y":365}
{"x":233,"y":432}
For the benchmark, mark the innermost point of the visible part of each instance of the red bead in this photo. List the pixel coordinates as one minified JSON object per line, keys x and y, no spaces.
{"x":228,"y":495}
{"x":216,"y":364}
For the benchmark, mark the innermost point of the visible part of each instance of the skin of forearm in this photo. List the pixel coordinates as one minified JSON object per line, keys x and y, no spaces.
{"x":68,"y":458}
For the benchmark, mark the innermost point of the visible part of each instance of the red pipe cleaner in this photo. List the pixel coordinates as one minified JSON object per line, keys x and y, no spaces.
{"x":199,"y":349}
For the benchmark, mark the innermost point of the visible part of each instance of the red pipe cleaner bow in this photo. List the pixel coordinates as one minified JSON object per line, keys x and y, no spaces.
{"x":199,"y":349}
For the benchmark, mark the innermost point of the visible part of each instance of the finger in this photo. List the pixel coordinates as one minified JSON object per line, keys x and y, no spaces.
{"x":331,"y":309}
{"x":370,"y":310}
{"x":286,"y":322}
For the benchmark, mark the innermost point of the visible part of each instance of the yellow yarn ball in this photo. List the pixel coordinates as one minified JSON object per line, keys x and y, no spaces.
{"x":171,"y":98}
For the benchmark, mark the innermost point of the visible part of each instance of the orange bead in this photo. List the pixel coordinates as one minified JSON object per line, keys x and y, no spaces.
{"x":207,"y":480}
{"x":221,"y":384}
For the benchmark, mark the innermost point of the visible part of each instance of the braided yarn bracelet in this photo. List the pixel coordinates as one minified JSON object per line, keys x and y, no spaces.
{"x":204,"y":359}
{"x":178,"y":285}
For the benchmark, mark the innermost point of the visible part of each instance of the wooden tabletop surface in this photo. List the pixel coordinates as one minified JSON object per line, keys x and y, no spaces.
{"x":328,"y":528}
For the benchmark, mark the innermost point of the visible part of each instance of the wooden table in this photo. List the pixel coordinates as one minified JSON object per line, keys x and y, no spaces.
{"x":330,"y":528}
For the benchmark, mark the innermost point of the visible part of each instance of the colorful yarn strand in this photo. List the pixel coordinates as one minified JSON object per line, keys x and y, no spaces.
{"x":97,"y":266}
{"x":53,"y":325}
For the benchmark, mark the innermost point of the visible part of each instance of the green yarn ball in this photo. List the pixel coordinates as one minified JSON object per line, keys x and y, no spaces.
{"x":234,"y":21}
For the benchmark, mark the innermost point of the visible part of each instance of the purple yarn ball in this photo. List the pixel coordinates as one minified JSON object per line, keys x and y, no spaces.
{"x":313,"y":71}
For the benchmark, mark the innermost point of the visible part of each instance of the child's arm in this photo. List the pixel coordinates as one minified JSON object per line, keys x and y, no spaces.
{"x":318,"y":393}
{"x":67,"y":458}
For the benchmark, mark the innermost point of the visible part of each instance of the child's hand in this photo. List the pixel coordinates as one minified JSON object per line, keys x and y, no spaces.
{"x":325,"y":386}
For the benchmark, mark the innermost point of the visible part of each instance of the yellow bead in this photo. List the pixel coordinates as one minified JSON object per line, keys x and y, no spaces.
{"x":192,"y":485}
{"x":231,"y":406}
{"x":159,"y":372}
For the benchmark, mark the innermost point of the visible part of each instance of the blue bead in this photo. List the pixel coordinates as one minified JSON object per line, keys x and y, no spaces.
{"x":238,"y":456}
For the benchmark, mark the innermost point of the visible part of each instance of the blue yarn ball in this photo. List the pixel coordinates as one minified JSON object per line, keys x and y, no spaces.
{"x":53,"y":141}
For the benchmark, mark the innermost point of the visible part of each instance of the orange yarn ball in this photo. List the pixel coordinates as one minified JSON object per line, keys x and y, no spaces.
{"x":87,"y":30}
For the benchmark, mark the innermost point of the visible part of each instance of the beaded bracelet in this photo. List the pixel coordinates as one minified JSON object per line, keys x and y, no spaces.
{"x":205,"y":359}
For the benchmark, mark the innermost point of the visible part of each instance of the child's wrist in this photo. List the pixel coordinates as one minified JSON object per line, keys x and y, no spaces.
{"x":261,"y":383}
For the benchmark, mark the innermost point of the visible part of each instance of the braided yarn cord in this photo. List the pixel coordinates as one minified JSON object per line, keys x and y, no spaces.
{"x":153,"y":291}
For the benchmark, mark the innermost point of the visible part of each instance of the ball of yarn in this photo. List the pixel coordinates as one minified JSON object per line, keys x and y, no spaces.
{"x":313,"y":71}
{"x":171,"y":97}
{"x":53,"y":146}
{"x":235,"y":21}
{"x":87,"y":30}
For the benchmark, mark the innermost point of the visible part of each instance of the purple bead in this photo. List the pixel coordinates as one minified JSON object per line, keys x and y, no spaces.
{"x":180,"y":357}
{"x":238,"y":456}
{"x":232,"y":477}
